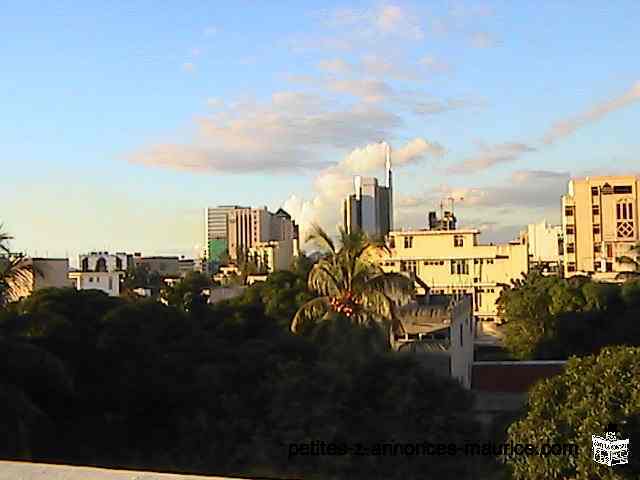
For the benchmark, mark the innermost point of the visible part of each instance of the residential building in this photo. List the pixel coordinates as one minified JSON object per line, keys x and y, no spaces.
{"x":370,"y":208}
{"x":104,"y":262}
{"x":248,"y":227}
{"x":42,"y":273}
{"x":273,"y":255}
{"x":105,"y":281}
{"x":440,"y":330}
{"x":545,"y":247}
{"x":600,"y":225}
{"x":455,"y":262}
{"x":216,"y":231}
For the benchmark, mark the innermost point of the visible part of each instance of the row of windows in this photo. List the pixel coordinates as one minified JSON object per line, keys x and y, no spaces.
{"x":459,"y":267}
{"x":617,"y":189}
{"x":458,"y":241}
{"x":624,"y":210}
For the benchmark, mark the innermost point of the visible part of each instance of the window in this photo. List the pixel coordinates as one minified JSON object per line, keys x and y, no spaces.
{"x":490,"y":261}
{"x":90,"y":279}
{"x":609,"y":267}
{"x":622,"y":189}
{"x":459,"y":267}
{"x":461,"y":335}
{"x":571,"y":248}
{"x":476,"y":280}
{"x":596,"y":248}
{"x":571,"y":267}
{"x":595,"y":209}
{"x":110,"y":283}
{"x":570,"y":230}
{"x":408,"y":242}
{"x":597,"y":266}
{"x":408,"y":266}
{"x":594,"y":191}
{"x":596,"y":229}
{"x":609,"y":250}
{"x":568,"y":211}
{"x":458,"y":241}
{"x":392,"y":242}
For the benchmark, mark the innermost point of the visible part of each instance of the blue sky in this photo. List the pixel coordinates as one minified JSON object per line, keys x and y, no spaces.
{"x":122,"y":120}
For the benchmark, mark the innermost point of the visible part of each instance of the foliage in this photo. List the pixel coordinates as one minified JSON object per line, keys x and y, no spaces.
{"x":188,"y":291}
{"x":592,"y":393}
{"x":15,"y":271}
{"x":553,"y":318}
{"x":220,"y":390}
{"x":346,"y":282}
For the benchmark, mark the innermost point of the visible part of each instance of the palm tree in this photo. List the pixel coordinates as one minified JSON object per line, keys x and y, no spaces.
{"x":349,"y":283}
{"x":15,"y":271}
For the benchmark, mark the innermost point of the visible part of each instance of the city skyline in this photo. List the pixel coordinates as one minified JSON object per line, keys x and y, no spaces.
{"x":121,"y":127}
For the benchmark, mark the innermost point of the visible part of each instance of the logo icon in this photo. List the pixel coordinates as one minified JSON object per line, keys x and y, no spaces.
{"x":608,"y":450}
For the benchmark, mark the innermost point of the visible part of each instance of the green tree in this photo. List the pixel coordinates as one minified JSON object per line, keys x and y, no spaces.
{"x":188,"y":291}
{"x":526,"y":308}
{"x":592,"y":393}
{"x":347,"y":282}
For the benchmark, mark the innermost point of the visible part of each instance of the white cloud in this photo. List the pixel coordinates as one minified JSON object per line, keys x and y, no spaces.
{"x":333,"y":184}
{"x":567,"y":127}
{"x":395,"y":19}
{"x":365,"y":89}
{"x":290,"y":132}
{"x":490,"y":155}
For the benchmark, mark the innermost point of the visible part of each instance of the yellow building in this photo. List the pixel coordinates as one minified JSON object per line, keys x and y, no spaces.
{"x":600,"y":224}
{"x":274,"y":255}
{"x":454,"y":262}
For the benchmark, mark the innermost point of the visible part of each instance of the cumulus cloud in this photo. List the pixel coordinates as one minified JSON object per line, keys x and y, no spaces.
{"x":567,"y":127}
{"x":333,"y":184}
{"x":292,"y":130}
{"x":490,"y":155}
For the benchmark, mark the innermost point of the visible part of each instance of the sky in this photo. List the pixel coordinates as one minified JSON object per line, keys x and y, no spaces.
{"x":121,"y":121}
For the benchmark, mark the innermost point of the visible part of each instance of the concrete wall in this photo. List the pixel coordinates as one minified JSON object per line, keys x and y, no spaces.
{"x":462,"y":340}
{"x":42,"y":471}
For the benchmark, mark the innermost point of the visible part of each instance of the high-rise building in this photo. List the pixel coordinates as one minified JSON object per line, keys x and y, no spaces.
{"x":600,"y":224}
{"x":216,"y":231}
{"x":250,"y":226}
{"x":370,"y":208}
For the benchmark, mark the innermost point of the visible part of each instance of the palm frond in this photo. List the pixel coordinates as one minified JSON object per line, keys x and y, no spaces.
{"x":394,"y":285}
{"x":322,"y":238}
{"x":323,"y":279}
{"x":313,"y":310}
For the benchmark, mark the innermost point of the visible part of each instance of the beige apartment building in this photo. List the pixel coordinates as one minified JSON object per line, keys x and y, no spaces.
{"x":455,"y":262}
{"x":274,"y":255}
{"x":600,"y":224}
{"x":248,"y":227}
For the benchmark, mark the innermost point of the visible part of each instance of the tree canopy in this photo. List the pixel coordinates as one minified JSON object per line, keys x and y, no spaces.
{"x":593,"y":393}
